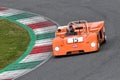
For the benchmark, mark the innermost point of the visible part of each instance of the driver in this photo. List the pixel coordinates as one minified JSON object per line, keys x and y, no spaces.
{"x":71,"y":30}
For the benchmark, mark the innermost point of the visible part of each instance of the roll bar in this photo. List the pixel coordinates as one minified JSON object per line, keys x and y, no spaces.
{"x":80,"y":21}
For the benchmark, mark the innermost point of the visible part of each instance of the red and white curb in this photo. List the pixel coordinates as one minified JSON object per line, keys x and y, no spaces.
{"x":43,"y":29}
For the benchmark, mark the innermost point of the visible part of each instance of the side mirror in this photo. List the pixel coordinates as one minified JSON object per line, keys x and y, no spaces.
{"x":59,"y":30}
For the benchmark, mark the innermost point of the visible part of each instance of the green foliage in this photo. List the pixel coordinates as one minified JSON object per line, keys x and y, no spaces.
{"x":14,"y":41}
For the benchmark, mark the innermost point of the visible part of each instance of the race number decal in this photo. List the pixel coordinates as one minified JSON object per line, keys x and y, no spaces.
{"x":74,"y":40}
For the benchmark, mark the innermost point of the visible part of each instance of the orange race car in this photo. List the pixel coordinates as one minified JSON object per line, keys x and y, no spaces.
{"x":78,"y":37}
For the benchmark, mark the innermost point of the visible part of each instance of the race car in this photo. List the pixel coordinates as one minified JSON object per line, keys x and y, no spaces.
{"x":78,"y":37}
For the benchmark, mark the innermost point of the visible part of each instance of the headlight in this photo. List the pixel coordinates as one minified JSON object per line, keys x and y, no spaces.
{"x":93,"y":44}
{"x":57,"y":48}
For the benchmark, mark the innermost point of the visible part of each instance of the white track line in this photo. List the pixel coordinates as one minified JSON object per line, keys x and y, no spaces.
{"x":32,"y":20}
{"x":12,"y":74}
{"x":45,"y":30}
{"x":43,"y":42}
{"x":36,"y":57}
{"x":10,"y":12}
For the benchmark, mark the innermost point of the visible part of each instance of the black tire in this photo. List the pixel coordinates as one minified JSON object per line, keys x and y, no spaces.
{"x":98,"y":46}
{"x":69,"y":53}
{"x":104,"y":38}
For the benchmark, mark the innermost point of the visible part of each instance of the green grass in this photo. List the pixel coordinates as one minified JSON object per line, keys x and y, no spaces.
{"x":14,"y":41}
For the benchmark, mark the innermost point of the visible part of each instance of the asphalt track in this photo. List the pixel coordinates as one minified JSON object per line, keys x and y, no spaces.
{"x":102,"y":65}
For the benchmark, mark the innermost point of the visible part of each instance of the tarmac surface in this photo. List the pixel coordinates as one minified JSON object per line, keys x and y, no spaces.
{"x":102,"y":65}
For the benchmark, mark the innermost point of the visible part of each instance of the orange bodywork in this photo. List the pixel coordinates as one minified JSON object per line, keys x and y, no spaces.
{"x":83,"y":37}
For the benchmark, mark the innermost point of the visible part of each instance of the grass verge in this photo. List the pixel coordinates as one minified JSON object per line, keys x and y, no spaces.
{"x":14,"y":41}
